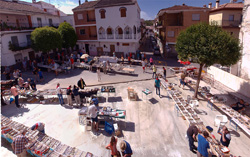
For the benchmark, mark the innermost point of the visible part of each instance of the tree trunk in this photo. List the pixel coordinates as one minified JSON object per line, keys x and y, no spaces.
{"x":198,"y":81}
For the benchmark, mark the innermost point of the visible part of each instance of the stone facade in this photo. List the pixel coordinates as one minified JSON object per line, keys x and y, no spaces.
{"x":244,"y":64}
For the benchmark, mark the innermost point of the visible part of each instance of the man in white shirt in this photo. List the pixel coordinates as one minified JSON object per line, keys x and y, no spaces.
{"x":59,"y":93}
{"x":93,"y":114}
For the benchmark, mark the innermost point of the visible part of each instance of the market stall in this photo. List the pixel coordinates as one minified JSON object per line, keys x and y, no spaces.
{"x":40,"y":145}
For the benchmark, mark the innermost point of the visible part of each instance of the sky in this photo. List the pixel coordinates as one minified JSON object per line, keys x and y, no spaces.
{"x":149,"y":8}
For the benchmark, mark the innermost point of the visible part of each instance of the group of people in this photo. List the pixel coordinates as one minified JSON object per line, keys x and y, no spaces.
{"x":124,"y":146}
{"x":203,"y":144}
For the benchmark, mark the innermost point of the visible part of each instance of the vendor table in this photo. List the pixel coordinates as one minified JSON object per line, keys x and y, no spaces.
{"x":146,"y":92}
{"x":108,"y":90}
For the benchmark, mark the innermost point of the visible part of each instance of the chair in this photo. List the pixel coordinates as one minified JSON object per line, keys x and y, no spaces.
{"x":194,"y":103}
{"x":220,"y":120}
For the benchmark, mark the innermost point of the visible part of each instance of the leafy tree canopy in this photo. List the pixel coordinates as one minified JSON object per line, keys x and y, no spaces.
{"x":46,"y":39}
{"x":68,"y":35}
{"x":149,"y":22}
{"x":207,"y":45}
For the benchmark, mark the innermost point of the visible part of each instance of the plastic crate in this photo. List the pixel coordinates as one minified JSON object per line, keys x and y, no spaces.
{"x":109,"y":128}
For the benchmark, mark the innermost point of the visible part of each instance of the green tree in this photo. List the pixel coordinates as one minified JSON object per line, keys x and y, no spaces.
{"x":207,"y":45}
{"x":46,"y":39}
{"x":149,"y":22}
{"x":68,"y":35}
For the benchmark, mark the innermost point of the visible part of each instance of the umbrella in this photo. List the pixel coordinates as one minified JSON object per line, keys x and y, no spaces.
{"x":184,"y":62}
{"x":84,"y":56}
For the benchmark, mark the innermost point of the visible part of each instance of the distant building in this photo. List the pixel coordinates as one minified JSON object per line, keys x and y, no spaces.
{"x":171,"y":21}
{"x":68,"y":18}
{"x":107,"y":26}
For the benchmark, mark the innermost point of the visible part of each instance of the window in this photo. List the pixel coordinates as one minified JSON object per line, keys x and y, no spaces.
{"x":170,"y":33}
{"x":28,"y":40}
{"x":39,"y":22}
{"x":79,"y":16}
{"x":50,"y":22}
{"x":102,"y":12}
{"x":123,"y":11}
{"x":196,"y":17}
{"x":14,"y":41}
{"x":82,"y":31}
{"x":231,"y":17}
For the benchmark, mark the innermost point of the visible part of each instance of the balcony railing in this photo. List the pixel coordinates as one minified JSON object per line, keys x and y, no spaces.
{"x":128,"y":36}
{"x":110,"y":36}
{"x":21,"y":46}
{"x":23,"y":26}
{"x":119,"y":36}
{"x":102,"y":36}
{"x":91,"y":20}
{"x":226,"y":23}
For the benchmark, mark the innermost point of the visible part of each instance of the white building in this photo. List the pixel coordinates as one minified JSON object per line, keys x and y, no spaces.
{"x":18,"y":19}
{"x":69,"y":18}
{"x":108,"y":26}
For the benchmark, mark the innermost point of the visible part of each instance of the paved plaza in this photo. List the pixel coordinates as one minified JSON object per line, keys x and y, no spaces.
{"x":152,"y":126}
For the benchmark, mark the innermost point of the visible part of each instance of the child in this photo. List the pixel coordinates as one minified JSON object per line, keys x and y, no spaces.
{"x":40,"y":75}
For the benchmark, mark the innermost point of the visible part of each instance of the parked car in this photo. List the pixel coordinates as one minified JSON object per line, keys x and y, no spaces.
{"x":157,"y":51}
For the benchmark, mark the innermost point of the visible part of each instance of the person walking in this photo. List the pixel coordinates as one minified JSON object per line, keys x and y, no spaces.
{"x":126,"y":149}
{"x":14,"y":92}
{"x":104,"y":67}
{"x":112,"y":146}
{"x":157,"y":86}
{"x":182,"y":80}
{"x":39,"y":126}
{"x":69,"y":96}
{"x":154,"y":71}
{"x":40,"y":74}
{"x":192,"y":132}
{"x":72,"y":62}
{"x":143,"y":63}
{"x":81,"y":84}
{"x":77,"y":95}
{"x":59,"y":94}
{"x":151,"y":61}
{"x":18,"y":144}
{"x":164,"y":73}
{"x":203,"y":145}
{"x":24,"y":63}
{"x":98,"y":71}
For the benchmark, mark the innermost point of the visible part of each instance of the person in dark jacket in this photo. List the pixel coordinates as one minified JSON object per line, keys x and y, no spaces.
{"x":69,"y":96}
{"x":225,"y":136}
{"x":81,"y":84}
{"x":76,"y":95}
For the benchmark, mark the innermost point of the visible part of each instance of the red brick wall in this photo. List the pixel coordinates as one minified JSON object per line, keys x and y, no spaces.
{"x":89,"y":30}
{"x":91,"y":15}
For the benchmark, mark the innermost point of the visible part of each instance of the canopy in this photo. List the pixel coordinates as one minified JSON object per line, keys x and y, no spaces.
{"x":84,"y":56}
{"x":184,"y":62}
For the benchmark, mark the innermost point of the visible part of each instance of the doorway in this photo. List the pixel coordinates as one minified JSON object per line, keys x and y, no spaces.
{"x":112,"y":49}
{"x":87,"y":48}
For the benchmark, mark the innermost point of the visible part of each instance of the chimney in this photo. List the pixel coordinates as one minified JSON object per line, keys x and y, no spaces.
{"x":183,"y":4}
{"x":217,"y":4}
{"x":210,"y":5}
{"x":79,"y":2}
{"x":204,"y":6}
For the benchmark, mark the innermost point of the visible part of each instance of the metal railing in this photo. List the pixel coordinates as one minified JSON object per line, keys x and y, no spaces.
{"x":102,"y":36}
{"x":91,"y":20}
{"x":7,"y":26}
{"x":226,"y":23}
{"x":110,"y":36}
{"x":119,"y":36}
{"x":128,"y":36}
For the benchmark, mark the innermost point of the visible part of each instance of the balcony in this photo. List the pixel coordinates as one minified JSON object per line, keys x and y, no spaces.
{"x":110,"y":36}
{"x":102,"y":36}
{"x":158,"y":24}
{"x":119,"y":36}
{"x":91,"y":20}
{"x":24,"y":26}
{"x":226,"y":23}
{"x":19,"y":47}
{"x":128,"y":36}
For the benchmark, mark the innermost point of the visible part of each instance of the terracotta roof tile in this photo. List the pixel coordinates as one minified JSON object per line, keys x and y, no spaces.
{"x":14,"y":6}
{"x":107,"y":3}
{"x":86,"y":5}
{"x":181,"y":7}
{"x":229,"y":6}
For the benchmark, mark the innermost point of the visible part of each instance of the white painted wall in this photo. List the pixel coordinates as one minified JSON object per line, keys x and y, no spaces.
{"x":45,"y":19}
{"x":235,"y":83}
{"x":69,"y":19}
{"x":113,"y":19}
{"x":7,"y":56}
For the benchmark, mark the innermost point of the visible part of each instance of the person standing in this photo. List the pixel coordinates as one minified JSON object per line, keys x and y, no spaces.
{"x":81,"y":84}
{"x":40,"y":75}
{"x":157,"y":86}
{"x":24,"y":62}
{"x":154,"y":71}
{"x":32,"y":83}
{"x":14,"y":92}
{"x":18,"y":144}
{"x":225,"y":136}
{"x":151,"y":61}
{"x":182,"y":80}
{"x":69,"y":96}
{"x":122,"y":58}
{"x":203,"y":145}
{"x":21,"y":82}
{"x":7,"y":73}
{"x":191,"y":134}
{"x":39,"y":126}
{"x":129,"y":60}
{"x":112,"y":146}
{"x":143,"y":65}
{"x":164,"y":73}
{"x":126,"y":149}
{"x":104,"y":67}
{"x":93,"y":115}
{"x":72,"y":62}
{"x":59,"y":94}
{"x":98,"y":71}
{"x":77,"y":95}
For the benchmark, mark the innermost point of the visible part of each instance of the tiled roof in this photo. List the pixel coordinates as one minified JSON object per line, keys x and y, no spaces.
{"x":181,"y":7}
{"x":86,"y":5}
{"x":229,"y":6}
{"x":107,"y":3}
{"x":14,"y":6}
